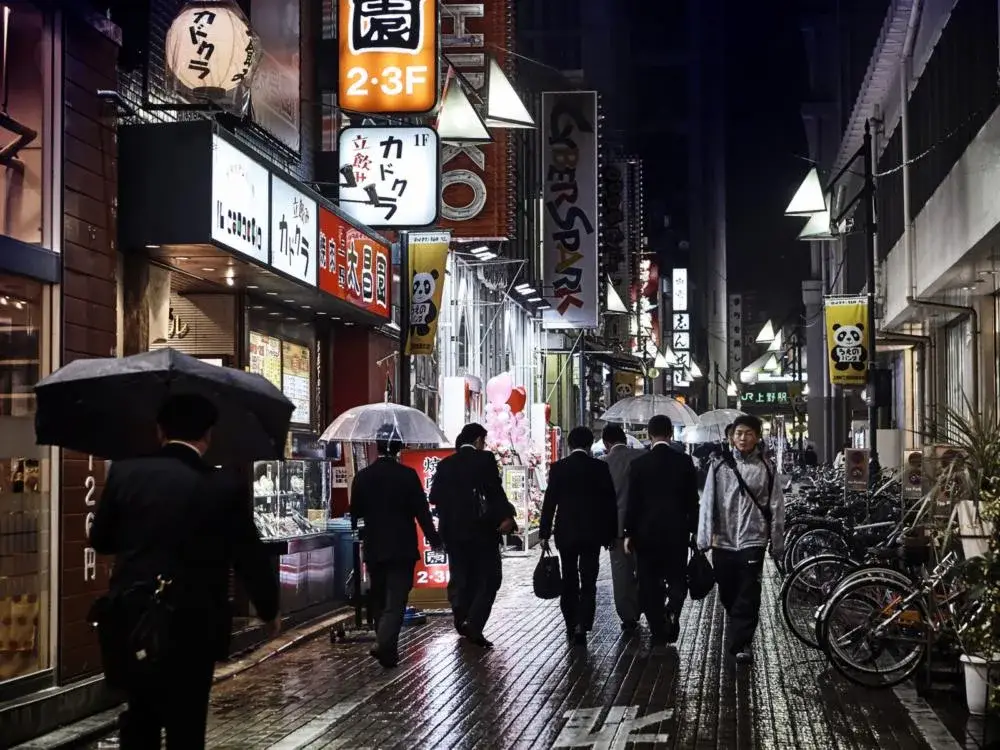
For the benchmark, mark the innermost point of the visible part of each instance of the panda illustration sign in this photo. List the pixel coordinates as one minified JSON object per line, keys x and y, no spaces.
{"x":428,"y":257}
{"x":848,"y":340}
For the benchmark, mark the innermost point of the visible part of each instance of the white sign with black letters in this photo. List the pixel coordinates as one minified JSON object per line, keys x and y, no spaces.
{"x":398,"y":176}
{"x":294,"y":221}
{"x":240,"y":220}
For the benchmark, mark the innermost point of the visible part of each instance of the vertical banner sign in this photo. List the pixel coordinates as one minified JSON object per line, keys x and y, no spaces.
{"x":913,"y":475}
{"x":276,"y":84}
{"x":847,"y":341}
{"x":855,"y":470}
{"x":293,"y":241}
{"x":680,"y":327}
{"x":388,"y":56}
{"x":428,"y":261}
{"x":431,"y":571}
{"x":476,"y":190}
{"x":515,"y":485}
{"x":569,"y":219}
{"x":624,"y":385}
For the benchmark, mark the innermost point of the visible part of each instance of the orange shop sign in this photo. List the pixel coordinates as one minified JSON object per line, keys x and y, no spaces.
{"x":353,"y":266}
{"x":432,"y":571}
{"x":388,"y":56}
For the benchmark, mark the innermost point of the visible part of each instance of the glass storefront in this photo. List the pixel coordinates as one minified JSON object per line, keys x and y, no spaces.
{"x":25,"y":476}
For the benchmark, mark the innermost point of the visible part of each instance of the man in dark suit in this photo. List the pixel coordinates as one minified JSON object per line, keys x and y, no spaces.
{"x":580,"y":499}
{"x":174,"y":517}
{"x":390,"y":498}
{"x":660,"y":522}
{"x":473,"y":511}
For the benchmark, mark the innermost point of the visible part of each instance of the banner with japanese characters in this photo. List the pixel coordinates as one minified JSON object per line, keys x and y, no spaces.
{"x":624,"y":385}
{"x":569,"y":219}
{"x":388,"y":56}
{"x":353,"y":265}
{"x":847,"y":340}
{"x":431,"y":571}
{"x":390,"y":176}
{"x":428,"y":260}
{"x":293,"y":232}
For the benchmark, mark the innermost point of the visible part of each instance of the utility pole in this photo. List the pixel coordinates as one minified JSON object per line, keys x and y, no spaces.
{"x":870,"y":229}
{"x":403,"y":386}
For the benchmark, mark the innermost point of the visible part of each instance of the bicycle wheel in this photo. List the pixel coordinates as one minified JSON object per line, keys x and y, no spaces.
{"x":815,"y":542}
{"x":807,"y":588}
{"x":864,"y":571}
{"x":876,"y":631}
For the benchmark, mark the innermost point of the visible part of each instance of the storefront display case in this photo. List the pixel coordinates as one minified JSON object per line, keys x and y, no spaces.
{"x":291,"y":498}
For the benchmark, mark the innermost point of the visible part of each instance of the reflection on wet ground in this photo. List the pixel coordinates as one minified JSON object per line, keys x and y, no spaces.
{"x":534,"y":691}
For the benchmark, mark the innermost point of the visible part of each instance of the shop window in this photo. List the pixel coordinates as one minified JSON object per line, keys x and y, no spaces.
{"x":958,"y":367}
{"x":25,"y":520}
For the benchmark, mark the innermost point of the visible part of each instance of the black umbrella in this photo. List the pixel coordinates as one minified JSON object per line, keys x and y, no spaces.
{"x":107,"y":407}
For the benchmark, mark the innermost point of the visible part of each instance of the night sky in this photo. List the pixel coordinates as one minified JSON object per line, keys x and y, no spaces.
{"x":766,"y":84}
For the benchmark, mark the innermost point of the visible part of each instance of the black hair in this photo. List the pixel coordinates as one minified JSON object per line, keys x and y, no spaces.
{"x":613,"y":434}
{"x":388,"y":441}
{"x":186,"y":416}
{"x":580,"y":437}
{"x":729,"y":429}
{"x":660,"y":426}
{"x":749,"y":421}
{"x":470,"y":434}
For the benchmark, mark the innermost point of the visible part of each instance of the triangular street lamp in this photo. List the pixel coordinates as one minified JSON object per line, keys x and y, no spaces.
{"x":808,"y":199}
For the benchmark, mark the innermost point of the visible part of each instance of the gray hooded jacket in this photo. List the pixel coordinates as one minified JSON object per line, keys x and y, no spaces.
{"x":729,"y":519}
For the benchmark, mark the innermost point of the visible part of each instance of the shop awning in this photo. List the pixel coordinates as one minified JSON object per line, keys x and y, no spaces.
{"x":25,"y":259}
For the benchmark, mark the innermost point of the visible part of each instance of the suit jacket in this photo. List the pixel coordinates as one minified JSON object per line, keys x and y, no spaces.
{"x":173,"y":515}
{"x":580,"y":500}
{"x":662,"y":510}
{"x":390,"y":497}
{"x":619,"y":460}
{"x":453,"y":493}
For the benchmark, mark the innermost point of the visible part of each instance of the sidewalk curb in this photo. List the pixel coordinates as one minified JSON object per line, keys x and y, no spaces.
{"x":94,"y":727}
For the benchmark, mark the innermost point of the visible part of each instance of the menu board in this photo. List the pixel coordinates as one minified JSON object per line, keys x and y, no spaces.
{"x":295,"y":379}
{"x":265,"y":357}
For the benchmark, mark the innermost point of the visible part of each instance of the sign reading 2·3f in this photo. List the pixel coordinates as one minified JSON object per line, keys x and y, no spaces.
{"x":294,"y":225}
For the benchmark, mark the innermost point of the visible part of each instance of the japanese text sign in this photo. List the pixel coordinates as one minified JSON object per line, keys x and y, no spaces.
{"x":397,"y":174}
{"x":353,"y":266}
{"x":428,"y":256}
{"x":431,"y":570}
{"x":388,"y":55}
{"x":847,"y":340}
{"x":293,"y":236}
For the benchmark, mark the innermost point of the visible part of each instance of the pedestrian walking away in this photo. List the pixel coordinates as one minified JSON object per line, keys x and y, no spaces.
{"x":473,"y":511}
{"x":742,"y":509}
{"x":580,"y":503}
{"x":624,"y":579}
{"x":175,"y":526}
{"x":390,"y":499}
{"x":661,"y":518}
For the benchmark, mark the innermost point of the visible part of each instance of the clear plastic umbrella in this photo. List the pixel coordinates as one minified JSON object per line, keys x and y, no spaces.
{"x":721,"y":417}
{"x":359,"y":425}
{"x":597,"y":449}
{"x":638,"y":410}
{"x":705,"y":433}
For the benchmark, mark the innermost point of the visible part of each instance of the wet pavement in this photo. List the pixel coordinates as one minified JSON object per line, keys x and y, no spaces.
{"x":535,"y":691}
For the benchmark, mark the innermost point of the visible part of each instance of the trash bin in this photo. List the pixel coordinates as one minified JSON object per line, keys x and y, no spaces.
{"x":343,"y":555}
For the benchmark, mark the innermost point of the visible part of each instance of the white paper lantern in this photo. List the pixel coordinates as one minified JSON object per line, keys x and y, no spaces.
{"x":210,"y":49}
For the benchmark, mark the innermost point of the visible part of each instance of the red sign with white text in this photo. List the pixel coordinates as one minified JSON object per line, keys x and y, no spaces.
{"x":353,"y":266}
{"x":431,"y":571}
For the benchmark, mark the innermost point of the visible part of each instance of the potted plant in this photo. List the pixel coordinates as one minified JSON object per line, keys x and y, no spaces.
{"x":979,"y":631}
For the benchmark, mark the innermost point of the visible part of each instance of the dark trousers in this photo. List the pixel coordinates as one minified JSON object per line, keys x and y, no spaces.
{"x":177,"y":702}
{"x":662,"y":585}
{"x":390,"y":588}
{"x":738,"y":575}
{"x":476,"y":574}
{"x":580,"y":564}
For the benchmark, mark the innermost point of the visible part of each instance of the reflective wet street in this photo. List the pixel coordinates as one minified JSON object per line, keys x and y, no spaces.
{"x":535,"y":691}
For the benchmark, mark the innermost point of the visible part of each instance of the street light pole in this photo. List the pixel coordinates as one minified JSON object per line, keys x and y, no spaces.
{"x":870,"y":229}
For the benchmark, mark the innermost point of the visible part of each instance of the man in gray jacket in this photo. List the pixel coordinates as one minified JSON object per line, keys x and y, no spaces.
{"x":742,"y":509}
{"x":623,"y":573}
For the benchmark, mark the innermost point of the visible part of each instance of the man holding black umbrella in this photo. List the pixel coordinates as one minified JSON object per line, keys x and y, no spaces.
{"x":175,"y":526}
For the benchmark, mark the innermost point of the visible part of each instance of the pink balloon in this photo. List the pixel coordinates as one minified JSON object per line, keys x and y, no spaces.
{"x":498,"y":389}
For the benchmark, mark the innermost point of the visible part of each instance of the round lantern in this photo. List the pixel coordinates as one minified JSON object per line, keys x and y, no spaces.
{"x":211,"y":49}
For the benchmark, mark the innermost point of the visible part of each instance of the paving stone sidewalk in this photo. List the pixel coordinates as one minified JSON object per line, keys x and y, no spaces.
{"x":534,"y":691}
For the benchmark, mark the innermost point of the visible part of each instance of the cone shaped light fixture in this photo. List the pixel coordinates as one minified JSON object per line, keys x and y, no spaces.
{"x":614,"y":301}
{"x":817,"y":228}
{"x":695,"y":371}
{"x":504,"y":108}
{"x":458,"y":121}
{"x":731,"y":390}
{"x":771,"y":365}
{"x":766,"y":335}
{"x":776,"y":344}
{"x":808,"y":198}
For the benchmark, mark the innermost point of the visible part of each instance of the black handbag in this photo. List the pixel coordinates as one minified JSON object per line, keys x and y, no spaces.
{"x":700,"y":576}
{"x":547,"y":579}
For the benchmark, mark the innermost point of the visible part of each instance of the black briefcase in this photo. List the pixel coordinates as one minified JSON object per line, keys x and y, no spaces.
{"x":547,"y":578}
{"x":700,"y":576}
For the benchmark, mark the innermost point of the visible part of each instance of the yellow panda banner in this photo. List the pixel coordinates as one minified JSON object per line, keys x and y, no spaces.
{"x":848,"y":340}
{"x":625,"y":385}
{"x":428,"y":259}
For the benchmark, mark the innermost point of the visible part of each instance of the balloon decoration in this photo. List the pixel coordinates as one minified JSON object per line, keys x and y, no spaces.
{"x":506,"y":423}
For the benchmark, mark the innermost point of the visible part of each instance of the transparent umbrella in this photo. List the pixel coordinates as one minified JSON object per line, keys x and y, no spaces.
{"x":705,"y":433}
{"x":359,"y":425}
{"x":721,"y":417}
{"x":638,"y":409}
{"x":597,"y":449}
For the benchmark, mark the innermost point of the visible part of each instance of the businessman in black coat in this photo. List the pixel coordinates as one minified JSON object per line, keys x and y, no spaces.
{"x":580,"y":499}
{"x":390,"y":498}
{"x":473,"y":511}
{"x":661,"y":519}
{"x":173,"y":516}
